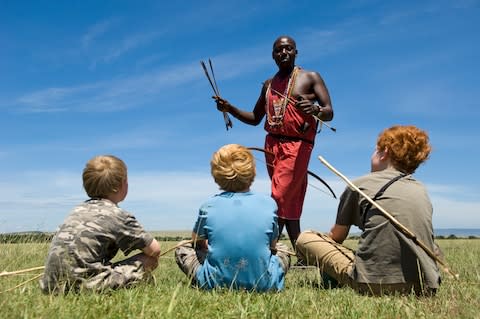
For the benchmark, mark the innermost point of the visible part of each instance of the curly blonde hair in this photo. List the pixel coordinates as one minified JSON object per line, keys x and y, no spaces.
{"x":103,"y":175}
{"x":233,"y":168}
{"x":407,"y":146}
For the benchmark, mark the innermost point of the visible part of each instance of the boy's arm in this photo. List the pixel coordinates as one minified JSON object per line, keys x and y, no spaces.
{"x":200,"y":242}
{"x":339,"y":233}
{"x":273,"y":246}
{"x":151,"y":254}
{"x":152,"y":250}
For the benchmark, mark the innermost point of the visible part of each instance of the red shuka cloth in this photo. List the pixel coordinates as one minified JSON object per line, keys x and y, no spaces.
{"x":291,"y":149}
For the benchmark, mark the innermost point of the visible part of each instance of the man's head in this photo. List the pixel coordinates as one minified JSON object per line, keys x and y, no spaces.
{"x":284,"y":52}
{"x":405,"y":147}
{"x":105,"y":175}
{"x":233,"y":168}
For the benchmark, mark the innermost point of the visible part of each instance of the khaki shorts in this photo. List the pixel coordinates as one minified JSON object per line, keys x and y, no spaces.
{"x":319,"y":250}
{"x":337,"y":261}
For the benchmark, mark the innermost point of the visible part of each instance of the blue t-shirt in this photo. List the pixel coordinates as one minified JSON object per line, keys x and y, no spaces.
{"x":239,"y":228}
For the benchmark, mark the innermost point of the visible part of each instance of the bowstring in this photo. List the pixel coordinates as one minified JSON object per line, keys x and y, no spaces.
{"x":309,"y":183}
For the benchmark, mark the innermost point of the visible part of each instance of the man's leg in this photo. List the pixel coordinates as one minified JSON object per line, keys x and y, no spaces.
{"x":281,"y":224}
{"x":293,"y":230}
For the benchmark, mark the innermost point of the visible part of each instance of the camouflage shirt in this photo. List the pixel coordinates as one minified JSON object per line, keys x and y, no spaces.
{"x":87,"y":241}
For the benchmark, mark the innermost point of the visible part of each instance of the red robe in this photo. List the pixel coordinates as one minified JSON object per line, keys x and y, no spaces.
{"x":290,"y":149}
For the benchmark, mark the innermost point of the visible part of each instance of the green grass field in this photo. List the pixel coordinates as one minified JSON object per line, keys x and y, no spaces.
{"x":172,"y":297}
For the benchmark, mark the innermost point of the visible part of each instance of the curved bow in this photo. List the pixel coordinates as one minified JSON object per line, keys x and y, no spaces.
{"x":308,"y":172}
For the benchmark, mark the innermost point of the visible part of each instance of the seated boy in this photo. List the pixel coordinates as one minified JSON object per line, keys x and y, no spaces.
{"x":386,"y":261}
{"x":81,"y":251}
{"x":235,"y":235}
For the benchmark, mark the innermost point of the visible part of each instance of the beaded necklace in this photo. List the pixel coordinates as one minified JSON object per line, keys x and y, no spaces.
{"x":280,"y":104}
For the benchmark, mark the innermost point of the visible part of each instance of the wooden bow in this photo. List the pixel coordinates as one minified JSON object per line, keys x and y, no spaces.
{"x":308,"y":172}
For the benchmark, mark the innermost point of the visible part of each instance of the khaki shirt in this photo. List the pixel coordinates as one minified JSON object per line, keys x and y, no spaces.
{"x":384,"y":255}
{"x":86,"y":242}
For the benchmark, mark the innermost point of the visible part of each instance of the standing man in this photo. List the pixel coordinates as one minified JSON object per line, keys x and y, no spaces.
{"x":291,"y":100}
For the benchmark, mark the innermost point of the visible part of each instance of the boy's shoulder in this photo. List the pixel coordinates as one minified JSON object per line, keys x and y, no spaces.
{"x":93,"y":210}
{"x":95,"y":216}
{"x":246,"y":196}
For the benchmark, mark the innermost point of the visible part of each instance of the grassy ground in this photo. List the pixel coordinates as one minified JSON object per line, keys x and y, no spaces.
{"x":172,"y":297}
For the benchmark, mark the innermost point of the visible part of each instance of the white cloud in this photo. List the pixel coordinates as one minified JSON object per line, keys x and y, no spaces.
{"x":108,"y":96}
{"x":170,"y":201}
{"x":96,"y":31}
{"x":130,"y":43}
{"x":448,"y":212}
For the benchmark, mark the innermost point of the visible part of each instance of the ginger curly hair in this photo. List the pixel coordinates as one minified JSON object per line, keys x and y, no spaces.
{"x":407,"y":146}
{"x":233,"y":168}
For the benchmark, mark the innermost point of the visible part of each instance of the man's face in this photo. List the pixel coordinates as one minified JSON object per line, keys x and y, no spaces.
{"x":284,"y":52}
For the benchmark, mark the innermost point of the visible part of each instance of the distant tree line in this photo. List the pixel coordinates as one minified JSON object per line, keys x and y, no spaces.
{"x":44,"y":237}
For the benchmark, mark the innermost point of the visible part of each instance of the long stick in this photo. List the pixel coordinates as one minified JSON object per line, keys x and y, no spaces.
{"x":286,"y":251}
{"x":226,"y":118}
{"x":213,"y":75}
{"x":176,"y":246}
{"x":208,"y":77}
{"x":23,"y":283}
{"x":392,"y":219}
{"x":292,"y":100}
{"x":22,"y":271}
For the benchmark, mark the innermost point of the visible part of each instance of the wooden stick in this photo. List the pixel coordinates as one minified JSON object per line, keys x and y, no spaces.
{"x":226,"y":118}
{"x":213,"y":75}
{"x":286,"y":251}
{"x":22,"y":284}
{"x":208,"y":77}
{"x":292,"y":100}
{"x":392,"y":219}
{"x":10,"y":273}
{"x":22,"y":271}
{"x":176,"y":246}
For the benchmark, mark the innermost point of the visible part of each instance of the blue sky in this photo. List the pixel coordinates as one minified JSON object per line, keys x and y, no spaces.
{"x":82,"y":78}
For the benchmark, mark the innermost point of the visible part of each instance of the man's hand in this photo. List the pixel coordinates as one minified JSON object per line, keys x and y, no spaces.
{"x":307,"y":106}
{"x":222,"y":104}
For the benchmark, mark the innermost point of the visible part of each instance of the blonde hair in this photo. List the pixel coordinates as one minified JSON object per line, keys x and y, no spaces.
{"x":104,"y":175}
{"x":233,"y":168}
{"x":407,"y":146}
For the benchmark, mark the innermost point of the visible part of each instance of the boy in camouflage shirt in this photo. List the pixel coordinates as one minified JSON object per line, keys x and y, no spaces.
{"x":81,"y":251}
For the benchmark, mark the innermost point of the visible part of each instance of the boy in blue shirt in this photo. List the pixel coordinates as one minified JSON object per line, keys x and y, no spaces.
{"x":235,"y":235}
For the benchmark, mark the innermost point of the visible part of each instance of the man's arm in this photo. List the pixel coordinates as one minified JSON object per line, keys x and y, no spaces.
{"x":253,"y":118}
{"x":323,"y":97}
{"x":318,"y":93}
